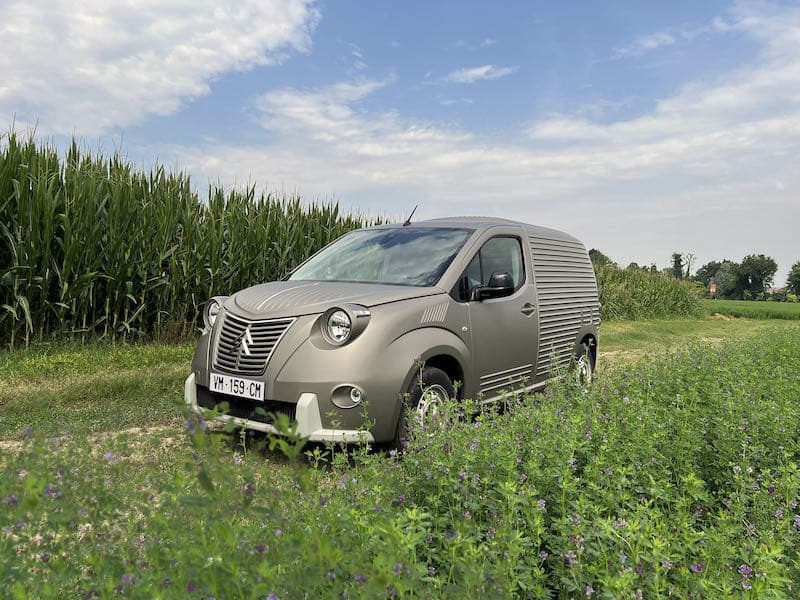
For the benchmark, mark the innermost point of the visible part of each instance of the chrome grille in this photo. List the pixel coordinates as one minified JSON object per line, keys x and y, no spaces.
{"x":231,"y":353}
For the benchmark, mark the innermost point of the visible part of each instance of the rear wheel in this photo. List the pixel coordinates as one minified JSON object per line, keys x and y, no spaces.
{"x":428,"y":391}
{"x":583,"y":366}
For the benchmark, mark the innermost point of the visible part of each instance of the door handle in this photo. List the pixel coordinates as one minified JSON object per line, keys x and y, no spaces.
{"x":528,"y":309}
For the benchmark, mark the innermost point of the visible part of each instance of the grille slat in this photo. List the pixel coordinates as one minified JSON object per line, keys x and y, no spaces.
{"x":230,"y":355}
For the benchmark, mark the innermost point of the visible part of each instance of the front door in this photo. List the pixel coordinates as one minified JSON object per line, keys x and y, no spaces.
{"x":504,"y":330}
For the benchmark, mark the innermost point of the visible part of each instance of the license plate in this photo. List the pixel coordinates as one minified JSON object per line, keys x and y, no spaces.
{"x":237,"y":386}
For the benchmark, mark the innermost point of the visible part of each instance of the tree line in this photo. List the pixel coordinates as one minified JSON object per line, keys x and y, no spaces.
{"x":752,"y":278}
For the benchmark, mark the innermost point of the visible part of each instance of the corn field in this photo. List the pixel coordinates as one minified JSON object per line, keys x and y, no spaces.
{"x":92,"y":247}
{"x":630,"y":294}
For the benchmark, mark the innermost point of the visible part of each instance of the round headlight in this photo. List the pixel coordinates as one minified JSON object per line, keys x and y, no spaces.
{"x":211,"y":312}
{"x":338,"y":327}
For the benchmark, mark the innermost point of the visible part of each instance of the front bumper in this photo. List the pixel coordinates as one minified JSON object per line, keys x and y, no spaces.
{"x":309,"y":421}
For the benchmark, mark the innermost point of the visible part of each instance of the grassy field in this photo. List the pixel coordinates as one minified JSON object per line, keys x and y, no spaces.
{"x":676,"y":475}
{"x":60,"y":388}
{"x":753,"y":310}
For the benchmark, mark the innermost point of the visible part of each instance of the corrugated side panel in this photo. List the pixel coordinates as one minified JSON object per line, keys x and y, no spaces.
{"x":567,"y":293}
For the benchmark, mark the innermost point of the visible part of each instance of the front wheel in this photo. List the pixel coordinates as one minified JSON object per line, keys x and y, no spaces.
{"x":429,"y":390}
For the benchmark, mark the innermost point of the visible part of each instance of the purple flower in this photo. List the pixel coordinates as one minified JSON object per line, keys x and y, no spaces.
{"x":330,"y":575}
{"x":576,"y":519}
{"x":589,"y":591}
{"x":11,"y":500}
{"x":737,"y":469}
{"x":397,"y":568}
{"x":128,"y":579}
{"x":51,"y":491}
{"x":108,"y":456}
{"x":620,"y":524}
{"x":272,"y":597}
{"x":237,"y":459}
{"x":190,"y":587}
{"x":490,"y":534}
{"x":745,"y":571}
{"x":249,"y":488}
{"x":361,"y":578}
{"x":779,"y":513}
{"x":28,"y":433}
{"x":569,"y":558}
{"x":260,"y":549}
{"x":278,"y":533}
{"x":541,"y":503}
{"x":543,"y":554}
{"x":697,"y":568}
{"x":323,"y":501}
{"x":622,"y":558}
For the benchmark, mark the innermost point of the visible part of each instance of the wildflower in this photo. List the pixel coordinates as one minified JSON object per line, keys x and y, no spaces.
{"x":11,"y":500}
{"x":278,"y":533}
{"x":190,"y":587}
{"x":490,"y":534}
{"x":576,"y":519}
{"x":237,"y":459}
{"x":323,"y":501}
{"x":543,"y":554}
{"x":737,"y":469}
{"x":260,"y":549}
{"x":697,"y":568}
{"x":431,"y":571}
{"x":569,"y":559}
{"x":622,"y":558}
{"x":541,"y":503}
{"x":128,"y":579}
{"x":108,"y":456}
{"x":330,"y":575}
{"x":361,"y":578}
{"x":378,"y":509}
{"x":43,"y":556}
{"x":51,"y":491}
{"x":620,"y":524}
{"x":397,"y":567}
{"x":523,"y":477}
{"x":745,"y":571}
{"x":28,"y":433}
{"x":22,"y":474}
{"x":249,"y":488}
{"x":779,"y":513}
{"x":272,"y":597}
{"x":589,"y":591}
{"x":572,"y":464}
{"x":467,"y":514}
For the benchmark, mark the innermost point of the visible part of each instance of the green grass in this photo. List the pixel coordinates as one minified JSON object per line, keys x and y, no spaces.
{"x":753,"y":310}
{"x":676,"y":475}
{"x":69,"y":388}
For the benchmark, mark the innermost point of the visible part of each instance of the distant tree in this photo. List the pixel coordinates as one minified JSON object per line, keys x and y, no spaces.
{"x":794,"y":279}
{"x":757,"y":272}
{"x":688,"y":259}
{"x":633,"y":267}
{"x":727,"y":279}
{"x":705,"y":274}
{"x":677,"y":265}
{"x":598,"y":258}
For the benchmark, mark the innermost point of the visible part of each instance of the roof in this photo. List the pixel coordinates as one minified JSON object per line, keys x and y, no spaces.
{"x":486,"y":222}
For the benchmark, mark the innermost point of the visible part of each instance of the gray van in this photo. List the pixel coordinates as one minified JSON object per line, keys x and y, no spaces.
{"x":391,"y":320}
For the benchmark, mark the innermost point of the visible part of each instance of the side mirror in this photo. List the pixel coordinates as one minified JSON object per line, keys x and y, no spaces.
{"x":500,"y":284}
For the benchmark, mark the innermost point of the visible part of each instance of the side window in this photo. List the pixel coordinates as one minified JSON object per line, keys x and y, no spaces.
{"x":498,"y":254}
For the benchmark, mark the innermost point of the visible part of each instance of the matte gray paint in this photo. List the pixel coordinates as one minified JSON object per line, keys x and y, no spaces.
{"x":495,"y":342}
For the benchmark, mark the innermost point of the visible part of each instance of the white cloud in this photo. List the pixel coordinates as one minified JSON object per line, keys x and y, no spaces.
{"x":696,"y":173}
{"x":94,"y":65}
{"x":485,"y":72}
{"x":645,"y":43}
{"x":488,"y":42}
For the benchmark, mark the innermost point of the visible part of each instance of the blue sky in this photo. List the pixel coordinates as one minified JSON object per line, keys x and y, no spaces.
{"x":643,"y":128}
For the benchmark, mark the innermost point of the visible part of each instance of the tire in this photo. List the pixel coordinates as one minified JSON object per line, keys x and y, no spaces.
{"x":422,"y":398}
{"x":583,"y":366}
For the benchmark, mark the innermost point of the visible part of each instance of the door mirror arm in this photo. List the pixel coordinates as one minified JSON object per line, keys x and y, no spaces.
{"x":501,"y":284}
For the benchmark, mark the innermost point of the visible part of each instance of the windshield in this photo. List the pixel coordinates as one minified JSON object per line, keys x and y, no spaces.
{"x":416,"y":257}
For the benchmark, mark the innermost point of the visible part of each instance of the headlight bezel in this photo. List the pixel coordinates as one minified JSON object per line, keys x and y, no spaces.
{"x":357,"y":315}
{"x":211,"y":311}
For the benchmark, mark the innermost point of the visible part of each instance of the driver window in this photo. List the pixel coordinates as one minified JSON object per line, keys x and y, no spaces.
{"x":498,"y":254}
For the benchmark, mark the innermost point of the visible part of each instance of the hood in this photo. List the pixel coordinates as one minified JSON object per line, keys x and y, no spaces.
{"x":296,"y":298}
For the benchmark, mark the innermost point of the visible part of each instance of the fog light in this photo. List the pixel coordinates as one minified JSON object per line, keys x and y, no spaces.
{"x":347,"y":396}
